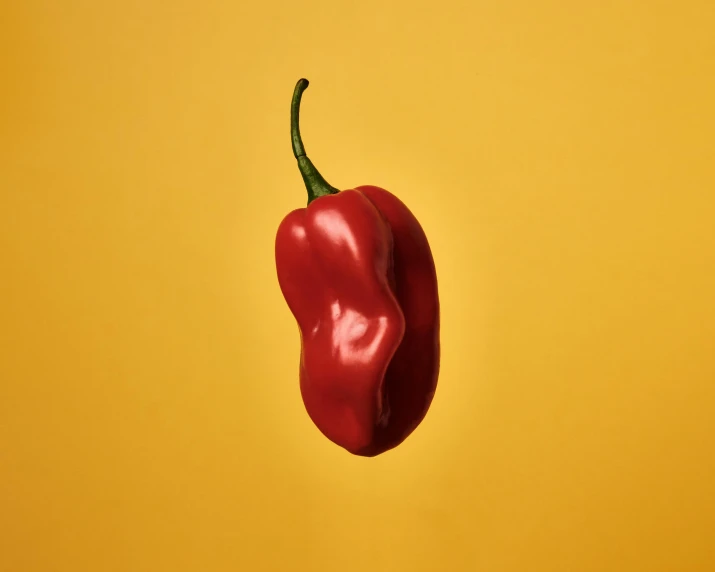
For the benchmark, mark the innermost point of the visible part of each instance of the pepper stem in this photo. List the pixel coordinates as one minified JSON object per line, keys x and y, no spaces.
{"x":316,"y":185}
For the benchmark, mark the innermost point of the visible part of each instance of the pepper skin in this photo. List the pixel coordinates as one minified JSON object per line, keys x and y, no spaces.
{"x":357,"y":273}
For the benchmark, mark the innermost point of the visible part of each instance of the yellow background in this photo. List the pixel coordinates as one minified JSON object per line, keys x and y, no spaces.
{"x":560,"y":157}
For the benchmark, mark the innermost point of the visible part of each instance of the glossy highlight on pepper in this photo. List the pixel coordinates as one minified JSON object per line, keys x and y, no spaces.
{"x":357,"y":273}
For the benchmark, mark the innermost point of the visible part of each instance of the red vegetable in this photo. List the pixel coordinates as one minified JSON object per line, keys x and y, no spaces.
{"x":358,"y":275}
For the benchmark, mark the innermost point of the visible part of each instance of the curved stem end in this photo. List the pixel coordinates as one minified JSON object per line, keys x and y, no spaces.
{"x":316,"y":185}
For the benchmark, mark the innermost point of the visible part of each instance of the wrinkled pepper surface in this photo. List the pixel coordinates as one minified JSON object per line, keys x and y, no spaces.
{"x":358,"y":275}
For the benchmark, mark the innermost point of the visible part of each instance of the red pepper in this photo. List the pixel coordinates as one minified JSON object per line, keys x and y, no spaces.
{"x":358,"y":275}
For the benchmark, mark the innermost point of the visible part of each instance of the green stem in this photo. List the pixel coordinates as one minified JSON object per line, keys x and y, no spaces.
{"x":316,"y":185}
